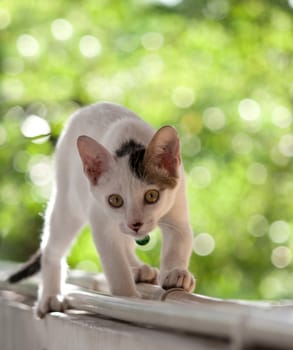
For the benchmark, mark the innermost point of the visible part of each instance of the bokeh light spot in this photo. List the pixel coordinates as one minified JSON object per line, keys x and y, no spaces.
{"x":281,"y":257}
{"x":201,"y":176}
{"x":277,"y":157}
{"x":183,"y":97}
{"x":127,"y":42}
{"x":34,"y":126}
{"x":103,"y":89}
{"x":191,"y":123}
{"x":203,"y":244}
{"x":12,"y":89}
{"x":281,"y":117}
{"x":191,"y":145}
{"x":242,"y":143}
{"x":257,"y":174}
{"x":61,"y":29}
{"x":15,"y":113}
{"x":285,"y":145}
{"x":257,"y":225}
{"x":13,"y":65}
{"x":279,"y":231}
{"x":152,"y":65}
{"x":152,"y":41}
{"x":271,"y":287}
{"x":20,"y":161}
{"x":90,"y":46}
{"x":27,"y":45}
{"x":214,"y":118}
{"x":10,"y":195}
{"x":216,"y":9}
{"x":4,"y":19}
{"x":40,"y":172}
{"x":249,"y":109}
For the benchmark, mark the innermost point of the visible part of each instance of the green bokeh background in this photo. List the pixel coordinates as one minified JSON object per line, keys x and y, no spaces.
{"x":220,"y":71}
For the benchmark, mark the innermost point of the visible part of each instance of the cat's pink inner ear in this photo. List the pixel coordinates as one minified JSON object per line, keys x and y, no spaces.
{"x":95,"y":158}
{"x":162,"y":156}
{"x":168,"y":150}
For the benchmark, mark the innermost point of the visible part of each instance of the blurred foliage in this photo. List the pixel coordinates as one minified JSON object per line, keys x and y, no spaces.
{"x":220,"y":71}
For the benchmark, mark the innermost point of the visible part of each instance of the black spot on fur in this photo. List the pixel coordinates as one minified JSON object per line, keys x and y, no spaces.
{"x":129,"y":147}
{"x":136,"y":163}
{"x":136,"y":152}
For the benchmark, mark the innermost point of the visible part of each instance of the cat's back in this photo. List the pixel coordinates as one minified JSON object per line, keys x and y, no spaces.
{"x":97,"y":118}
{"x":107,"y":123}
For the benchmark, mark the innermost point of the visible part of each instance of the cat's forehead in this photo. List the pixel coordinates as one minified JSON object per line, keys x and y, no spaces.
{"x":125,"y":182}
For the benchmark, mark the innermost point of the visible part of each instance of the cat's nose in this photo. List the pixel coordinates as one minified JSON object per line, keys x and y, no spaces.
{"x":136,"y":226}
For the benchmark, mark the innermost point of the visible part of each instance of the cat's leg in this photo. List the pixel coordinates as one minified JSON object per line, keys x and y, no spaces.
{"x":61,"y":226}
{"x":177,"y":246}
{"x":141,"y":272}
{"x":176,"y":251}
{"x":110,"y":243}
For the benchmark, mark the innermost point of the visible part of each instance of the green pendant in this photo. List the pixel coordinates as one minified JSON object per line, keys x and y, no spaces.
{"x":143,"y":241}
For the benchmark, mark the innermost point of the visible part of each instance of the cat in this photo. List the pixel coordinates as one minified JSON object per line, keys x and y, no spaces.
{"x":116,"y":173}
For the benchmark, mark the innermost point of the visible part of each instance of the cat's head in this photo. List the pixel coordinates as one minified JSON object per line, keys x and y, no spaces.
{"x":136,"y":185}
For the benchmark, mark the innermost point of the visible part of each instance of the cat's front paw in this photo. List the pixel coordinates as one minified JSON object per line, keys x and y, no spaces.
{"x":50,"y":304}
{"x":146,"y":274}
{"x":178,"y":278}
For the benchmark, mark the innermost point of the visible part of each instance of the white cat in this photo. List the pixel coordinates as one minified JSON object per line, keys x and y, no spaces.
{"x":116,"y":173}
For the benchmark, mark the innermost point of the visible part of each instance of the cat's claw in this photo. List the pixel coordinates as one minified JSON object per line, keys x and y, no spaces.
{"x":178,"y":278}
{"x":146,"y":274}
{"x":55,"y":303}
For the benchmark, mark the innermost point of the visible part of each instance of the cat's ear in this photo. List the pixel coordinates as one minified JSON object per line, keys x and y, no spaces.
{"x":95,"y":158}
{"x":162,"y":157}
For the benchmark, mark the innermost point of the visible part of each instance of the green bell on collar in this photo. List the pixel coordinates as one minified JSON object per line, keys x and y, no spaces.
{"x":145,"y":240}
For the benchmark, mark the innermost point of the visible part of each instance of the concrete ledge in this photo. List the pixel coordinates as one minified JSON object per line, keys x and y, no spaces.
{"x":176,"y":320}
{"x":78,"y":330}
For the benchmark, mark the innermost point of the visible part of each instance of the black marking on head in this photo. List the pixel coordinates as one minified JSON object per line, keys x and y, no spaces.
{"x":136,"y":152}
{"x":129,"y":147}
{"x":136,"y":163}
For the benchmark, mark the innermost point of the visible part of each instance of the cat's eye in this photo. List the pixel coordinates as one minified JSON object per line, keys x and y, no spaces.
{"x":151,"y":196}
{"x":115,"y":200}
